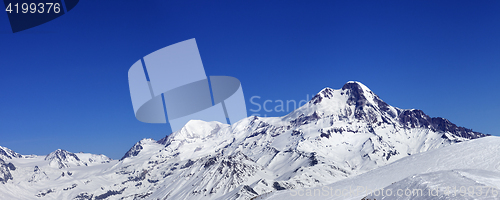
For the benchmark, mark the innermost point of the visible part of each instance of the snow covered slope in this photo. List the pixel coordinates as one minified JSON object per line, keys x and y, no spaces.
{"x":473,"y":163}
{"x":34,"y":177}
{"x":338,"y":134}
{"x":447,"y":184}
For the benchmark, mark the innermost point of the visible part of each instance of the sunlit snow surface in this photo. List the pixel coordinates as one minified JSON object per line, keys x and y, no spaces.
{"x":341,"y":138}
{"x":473,"y":163}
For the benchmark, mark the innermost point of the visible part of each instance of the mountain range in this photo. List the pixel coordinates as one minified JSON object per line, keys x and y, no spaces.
{"x":337,"y":136}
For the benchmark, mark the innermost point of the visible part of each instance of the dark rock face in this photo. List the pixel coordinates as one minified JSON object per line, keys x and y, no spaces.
{"x":313,"y":160}
{"x":11,"y":166}
{"x":189,"y":163}
{"x":356,"y":96}
{"x":444,"y":125}
{"x":302,"y":119}
{"x":42,"y":194}
{"x":61,"y":154}
{"x":364,"y":110}
{"x":163,"y":140}
{"x":326,"y":93}
{"x":249,"y":189}
{"x":134,"y":151}
{"x":211,"y":161}
{"x":418,"y":119}
{"x":9,"y":154}
{"x":5,"y":174}
{"x":84,"y":196}
{"x":382,"y":105}
{"x":109,"y":193}
{"x":61,"y":157}
{"x":277,"y":186}
{"x":36,"y":169}
{"x":415,"y":119}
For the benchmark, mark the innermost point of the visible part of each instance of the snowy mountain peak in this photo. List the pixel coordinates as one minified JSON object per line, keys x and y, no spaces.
{"x":355,"y":84}
{"x":196,"y":129}
{"x":61,"y":154}
{"x":355,"y":102}
{"x":358,"y":89}
{"x":327,"y":93}
{"x":352,"y":93}
{"x":6,"y":153}
{"x":62,"y":159}
{"x":359,"y":94}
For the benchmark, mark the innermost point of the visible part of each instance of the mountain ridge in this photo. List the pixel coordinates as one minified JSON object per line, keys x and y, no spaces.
{"x":337,"y":134}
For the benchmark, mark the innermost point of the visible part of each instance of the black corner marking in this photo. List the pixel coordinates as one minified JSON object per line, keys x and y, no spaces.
{"x":26,"y":14}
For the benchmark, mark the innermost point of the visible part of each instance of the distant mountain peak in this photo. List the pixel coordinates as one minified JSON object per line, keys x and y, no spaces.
{"x":356,"y":102}
{"x":6,"y":153}
{"x":60,"y":154}
{"x":355,"y":92}
{"x":360,"y":95}
{"x":327,"y":93}
{"x":61,"y":158}
{"x":139,"y":146}
{"x":353,"y":101}
{"x":196,"y":129}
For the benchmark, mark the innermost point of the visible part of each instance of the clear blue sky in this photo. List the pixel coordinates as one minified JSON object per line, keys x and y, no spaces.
{"x":64,"y":84}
